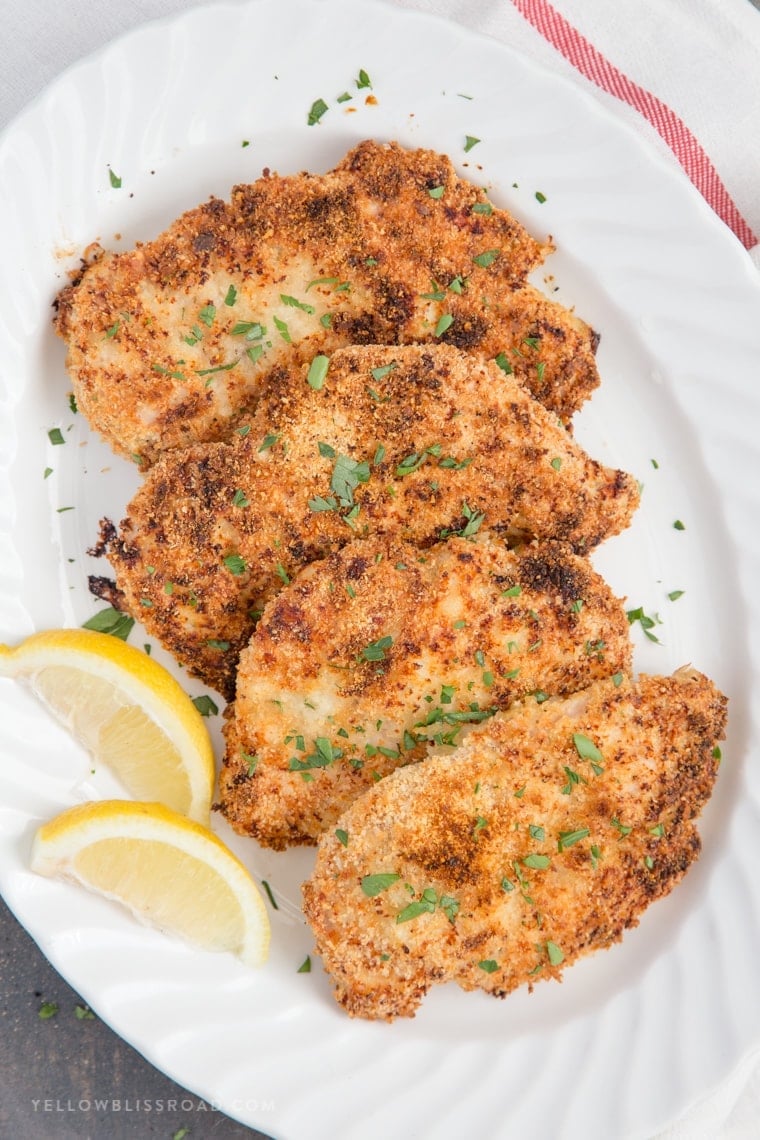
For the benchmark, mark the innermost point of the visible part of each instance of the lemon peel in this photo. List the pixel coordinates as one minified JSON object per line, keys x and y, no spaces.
{"x":171,"y":872}
{"x":126,"y":709}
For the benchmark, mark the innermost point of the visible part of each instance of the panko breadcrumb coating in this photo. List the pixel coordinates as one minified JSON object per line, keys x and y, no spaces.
{"x":540,"y":840}
{"x":172,"y":343}
{"x":381,"y":651}
{"x":414,"y":442}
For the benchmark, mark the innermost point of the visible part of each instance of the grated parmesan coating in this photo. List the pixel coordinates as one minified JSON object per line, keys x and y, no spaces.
{"x":173,"y":342}
{"x":515,"y":856}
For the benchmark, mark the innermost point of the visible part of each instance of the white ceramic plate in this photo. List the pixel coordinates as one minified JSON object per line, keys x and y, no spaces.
{"x":634,"y":1034}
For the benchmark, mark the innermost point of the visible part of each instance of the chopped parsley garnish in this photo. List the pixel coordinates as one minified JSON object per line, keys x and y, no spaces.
{"x":216,"y":368}
{"x":205,"y":705}
{"x":251,"y":760}
{"x":251,"y":330}
{"x":167,"y":372}
{"x":437,"y":715}
{"x":375,"y":651}
{"x":305,"y":967}
{"x":294,"y":303}
{"x":540,"y":197}
{"x":375,"y":884}
{"x":363,"y":79}
{"x":556,"y":957}
{"x":587,"y":750}
{"x":437,"y":293}
{"x":646,"y":622}
{"x":236,"y":564}
{"x":323,"y":756}
{"x":445,"y":322}
{"x":488,"y":965}
{"x":469,"y":142}
{"x":503,"y":363}
{"x":111,"y":621}
{"x":346,"y":477}
{"x":379,"y":373}
{"x":317,"y":372}
{"x":322,"y":281}
{"x":55,"y":435}
{"x":283,"y":330}
{"x":573,"y":778}
{"x":414,"y":461}
{"x":319,"y":503}
{"x":473,"y":520}
{"x":427,"y":903}
{"x":114,"y":179}
{"x":231,"y":296}
{"x":269,"y":440}
{"x":269,"y":894}
{"x":436,"y":191}
{"x":569,"y":838}
{"x":316,"y":111}
{"x":487,"y":258}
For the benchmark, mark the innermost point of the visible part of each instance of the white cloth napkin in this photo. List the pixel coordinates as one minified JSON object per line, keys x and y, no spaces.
{"x":685,"y":73}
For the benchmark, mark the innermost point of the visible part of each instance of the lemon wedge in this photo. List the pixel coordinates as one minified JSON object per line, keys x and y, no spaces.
{"x":171,"y":872}
{"x":126,"y":709}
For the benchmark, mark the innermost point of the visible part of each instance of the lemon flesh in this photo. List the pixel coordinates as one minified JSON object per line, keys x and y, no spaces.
{"x":127,"y":711}
{"x":171,"y":872}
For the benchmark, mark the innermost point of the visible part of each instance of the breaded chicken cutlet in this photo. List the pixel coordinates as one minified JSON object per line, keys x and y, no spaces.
{"x":415,"y":442}
{"x":171,"y":343}
{"x":542,"y":839}
{"x":380,"y":652}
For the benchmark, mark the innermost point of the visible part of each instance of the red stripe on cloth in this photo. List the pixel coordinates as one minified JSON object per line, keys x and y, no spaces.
{"x":687,"y":149}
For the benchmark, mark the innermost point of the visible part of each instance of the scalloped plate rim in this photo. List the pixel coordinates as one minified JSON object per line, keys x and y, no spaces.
{"x":698,"y":216}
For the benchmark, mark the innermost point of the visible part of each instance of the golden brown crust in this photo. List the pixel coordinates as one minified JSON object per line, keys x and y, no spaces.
{"x":172,"y":343}
{"x":380,"y":651}
{"x":518,"y":854}
{"x":215,"y":530}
